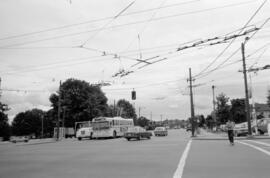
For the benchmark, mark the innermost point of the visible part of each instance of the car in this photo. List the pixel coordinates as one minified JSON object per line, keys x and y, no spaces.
{"x":262,"y":125}
{"x":188,"y":128}
{"x":241,"y":129}
{"x":137,"y":132}
{"x":15,"y":139}
{"x":160,"y":131}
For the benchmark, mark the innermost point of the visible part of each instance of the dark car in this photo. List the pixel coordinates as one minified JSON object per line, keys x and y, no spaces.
{"x":137,"y":133}
{"x":160,"y":131}
{"x":15,"y":139}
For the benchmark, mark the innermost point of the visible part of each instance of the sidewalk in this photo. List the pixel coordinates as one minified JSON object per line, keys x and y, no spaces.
{"x":206,"y":135}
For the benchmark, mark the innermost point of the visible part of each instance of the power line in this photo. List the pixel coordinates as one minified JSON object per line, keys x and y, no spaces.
{"x":235,"y":52}
{"x":95,"y":20}
{"x":104,"y":26}
{"x":127,"y":24}
{"x":225,"y":49}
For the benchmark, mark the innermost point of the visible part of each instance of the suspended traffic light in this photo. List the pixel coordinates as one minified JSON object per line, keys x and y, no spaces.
{"x":133,"y":95}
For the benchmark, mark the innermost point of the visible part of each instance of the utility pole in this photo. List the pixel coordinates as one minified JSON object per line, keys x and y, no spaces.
{"x":214,"y":102}
{"x":139,"y":112}
{"x":254,"y":117}
{"x":42,"y":117}
{"x":114,"y":108}
{"x":59,"y":112}
{"x":247,"y":109}
{"x":191,"y":103}
{"x":151,"y":115}
{"x":0,"y":87}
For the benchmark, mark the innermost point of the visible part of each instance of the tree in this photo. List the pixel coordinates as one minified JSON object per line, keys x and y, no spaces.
{"x":127,"y":110}
{"x":209,"y":121}
{"x":268,"y":98}
{"x":223,"y":109}
{"x":238,"y":110}
{"x":4,"y":126}
{"x":28,"y":123}
{"x":201,"y":121}
{"x":143,"y":121}
{"x":80,"y":101}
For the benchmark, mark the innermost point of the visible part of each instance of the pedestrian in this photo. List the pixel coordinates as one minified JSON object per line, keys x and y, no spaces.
{"x":230,"y":126}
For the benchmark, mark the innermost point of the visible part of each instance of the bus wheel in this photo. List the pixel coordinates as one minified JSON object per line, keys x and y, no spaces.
{"x":114,"y":134}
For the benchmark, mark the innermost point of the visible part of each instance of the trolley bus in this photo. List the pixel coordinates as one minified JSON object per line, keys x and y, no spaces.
{"x":104,"y":127}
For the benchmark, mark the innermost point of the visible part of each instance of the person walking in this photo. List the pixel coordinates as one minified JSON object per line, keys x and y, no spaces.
{"x":230,"y":126}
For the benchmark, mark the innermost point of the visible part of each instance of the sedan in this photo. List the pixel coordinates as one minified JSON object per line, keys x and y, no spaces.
{"x":137,"y":133}
{"x":160,"y":131}
{"x":15,"y":139}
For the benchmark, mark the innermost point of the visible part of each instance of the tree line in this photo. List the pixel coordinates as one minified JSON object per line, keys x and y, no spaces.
{"x":79,"y":101}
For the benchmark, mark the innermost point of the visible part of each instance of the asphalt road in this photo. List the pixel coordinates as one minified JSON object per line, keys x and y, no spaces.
{"x":111,"y":158}
{"x":158,"y":157}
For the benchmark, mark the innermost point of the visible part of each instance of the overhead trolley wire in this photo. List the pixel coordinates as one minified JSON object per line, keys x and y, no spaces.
{"x":225,"y":49}
{"x":127,"y":24}
{"x":95,"y":20}
{"x":235,"y":52}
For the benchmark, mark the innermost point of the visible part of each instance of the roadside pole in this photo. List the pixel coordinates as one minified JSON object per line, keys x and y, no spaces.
{"x":42,"y":131}
{"x":254,"y":117}
{"x":247,"y":109}
{"x":59,"y":113}
{"x":191,"y":103}
{"x":214,"y":102}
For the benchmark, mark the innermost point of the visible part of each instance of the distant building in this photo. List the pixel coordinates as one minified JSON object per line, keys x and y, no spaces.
{"x":262,"y":110}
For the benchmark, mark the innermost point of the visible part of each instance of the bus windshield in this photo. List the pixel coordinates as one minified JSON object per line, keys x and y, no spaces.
{"x":100,"y":125}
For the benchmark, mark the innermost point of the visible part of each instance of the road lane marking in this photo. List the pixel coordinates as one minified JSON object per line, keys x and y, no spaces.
{"x":261,"y":143}
{"x":255,"y":147}
{"x":180,"y":169}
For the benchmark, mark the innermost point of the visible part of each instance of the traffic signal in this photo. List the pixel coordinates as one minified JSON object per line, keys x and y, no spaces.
{"x":133,"y":95}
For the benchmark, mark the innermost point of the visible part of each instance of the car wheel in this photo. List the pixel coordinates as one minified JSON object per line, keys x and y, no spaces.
{"x":138,"y":138}
{"x":79,"y":138}
{"x":128,"y":139}
{"x":149,"y":137}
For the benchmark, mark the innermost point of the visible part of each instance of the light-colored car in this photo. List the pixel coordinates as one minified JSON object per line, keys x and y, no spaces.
{"x":160,"y":131}
{"x":262,"y":125}
{"x":15,"y":139}
{"x":84,"y":132}
{"x":241,"y":129}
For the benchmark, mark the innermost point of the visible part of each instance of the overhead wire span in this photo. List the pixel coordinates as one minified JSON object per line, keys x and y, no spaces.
{"x":94,"y":20}
{"x":109,"y":22}
{"x":227,"y":47}
{"x":127,"y":24}
{"x":238,"y":49}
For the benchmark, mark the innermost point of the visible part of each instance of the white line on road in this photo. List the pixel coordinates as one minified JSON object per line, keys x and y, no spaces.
{"x":180,"y":169}
{"x":255,"y":147}
{"x":261,"y":143}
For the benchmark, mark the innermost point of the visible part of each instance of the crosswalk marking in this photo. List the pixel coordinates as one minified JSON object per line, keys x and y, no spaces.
{"x":261,"y":143}
{"x":255,"y":147}
{"x":180,"y":169}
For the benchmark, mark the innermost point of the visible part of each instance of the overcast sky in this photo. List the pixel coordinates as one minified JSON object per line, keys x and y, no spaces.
{"x":40,"y":45}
